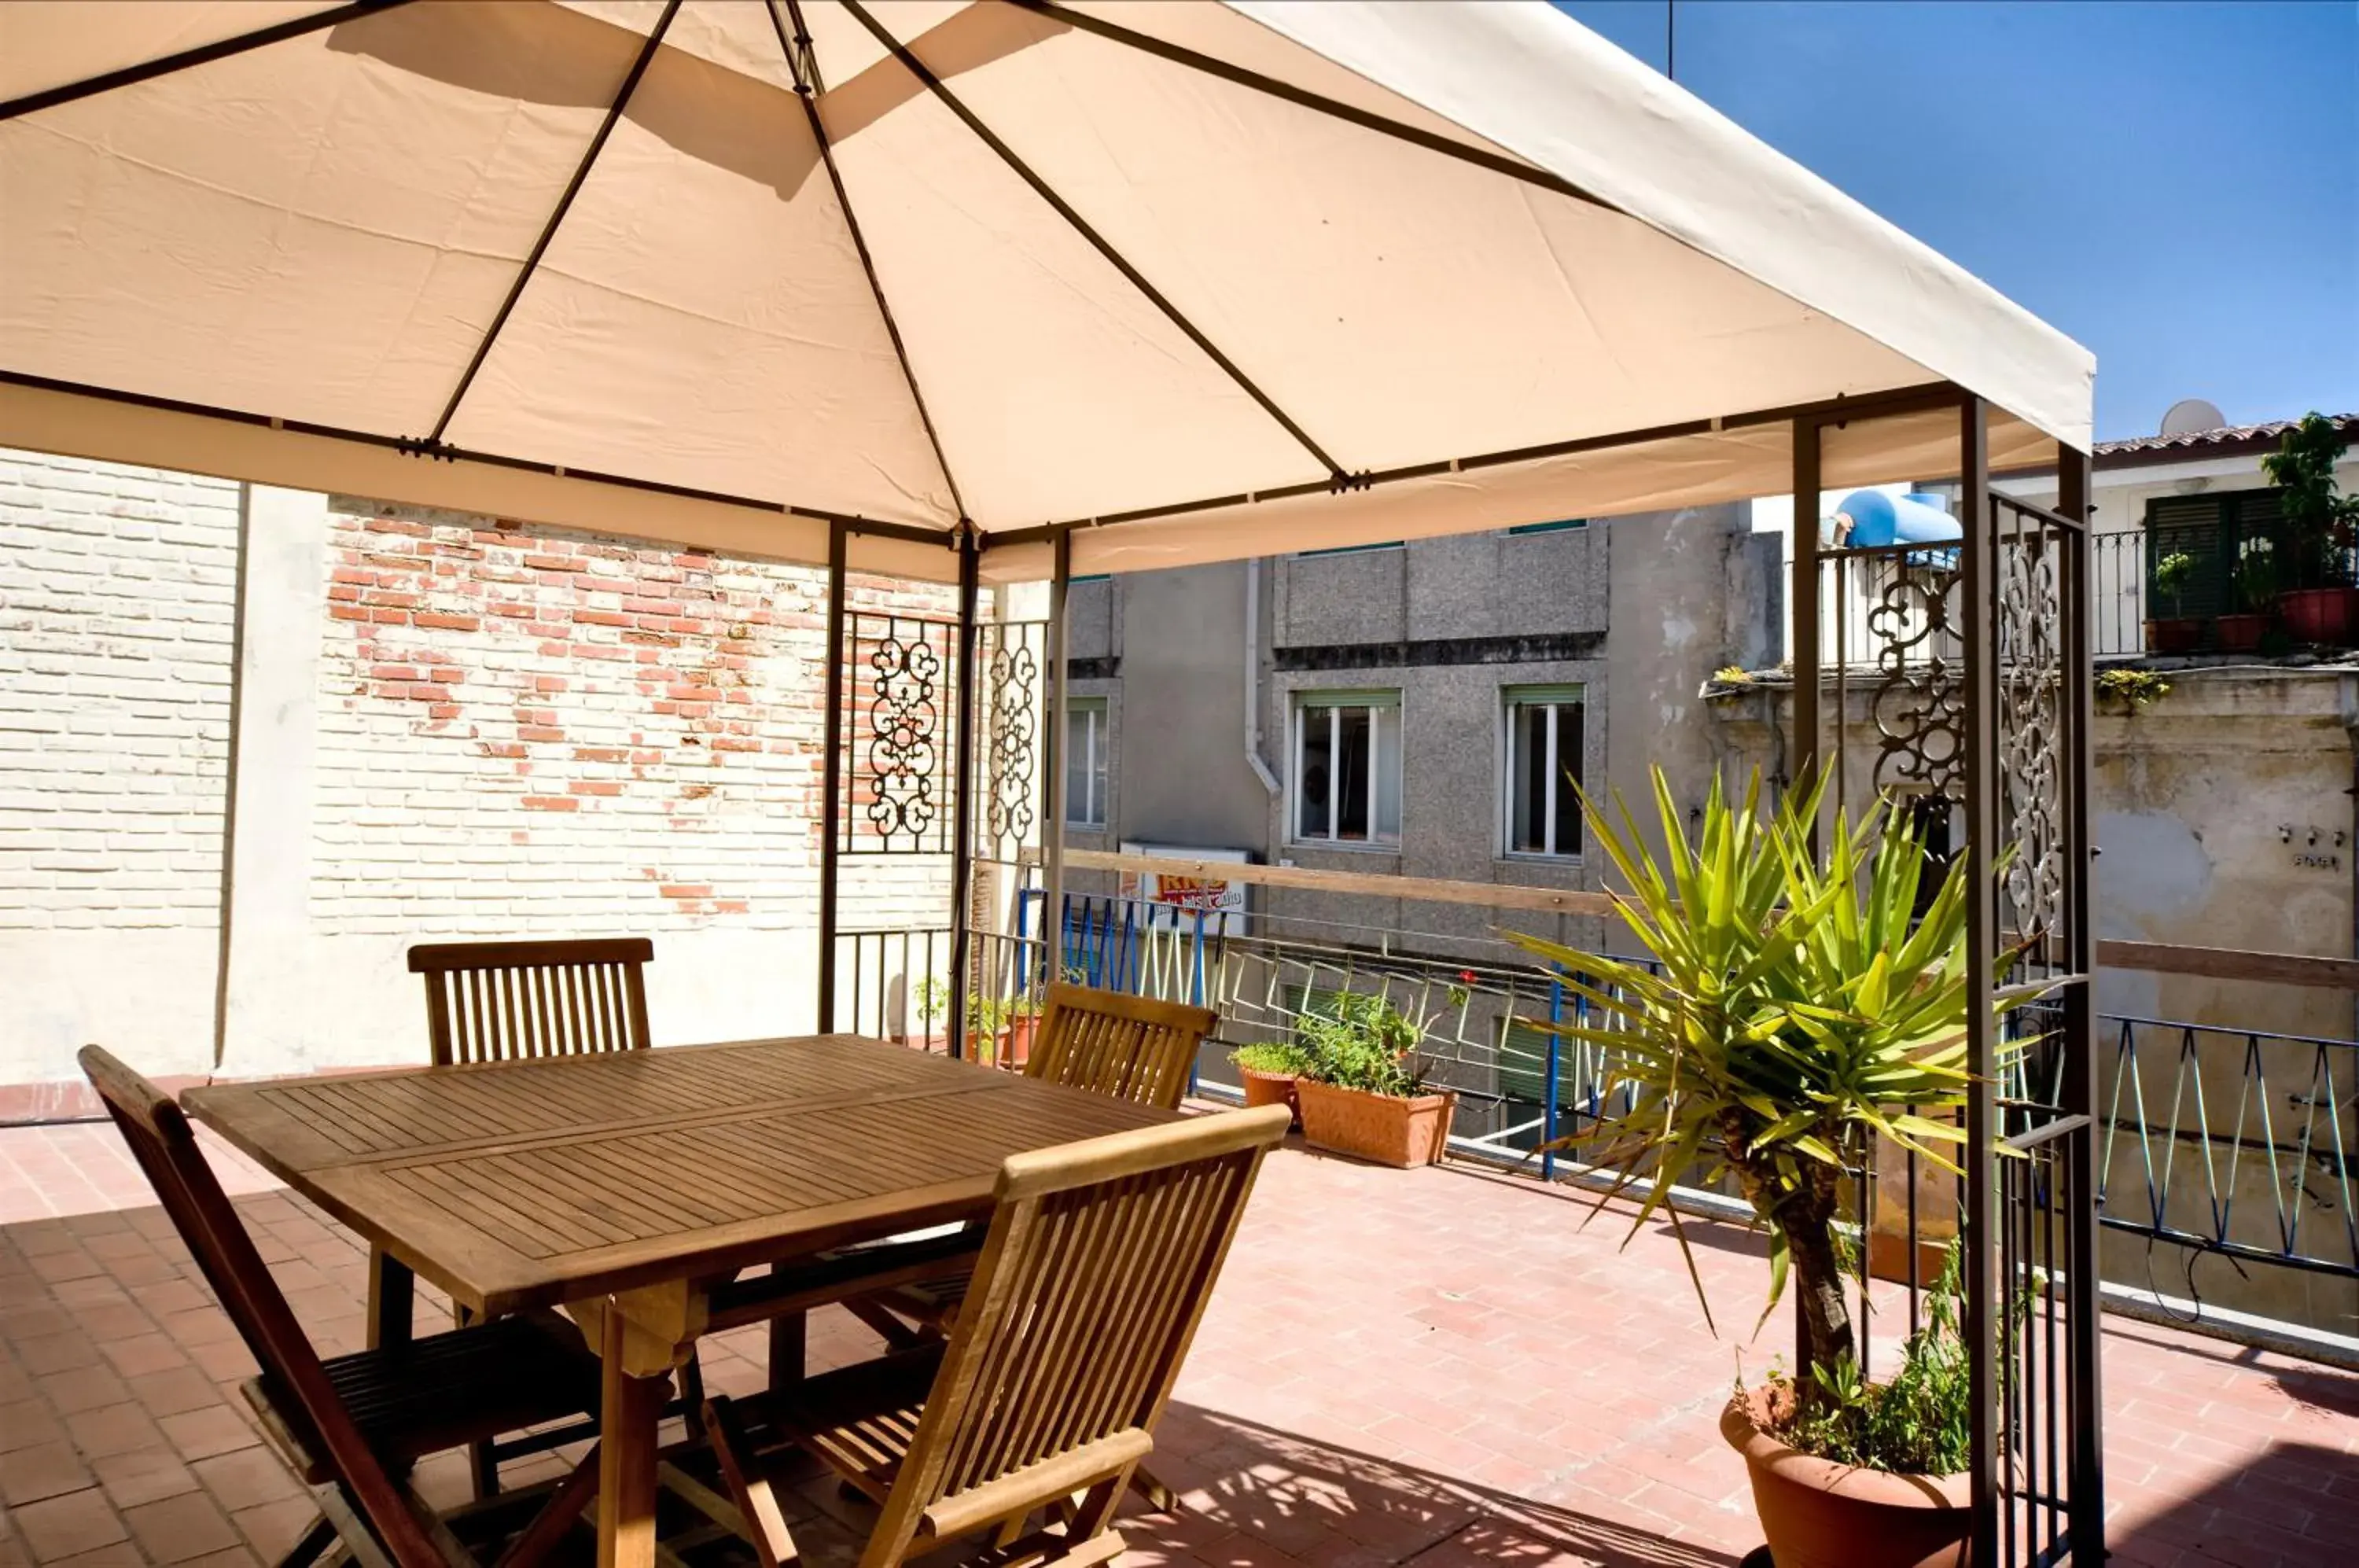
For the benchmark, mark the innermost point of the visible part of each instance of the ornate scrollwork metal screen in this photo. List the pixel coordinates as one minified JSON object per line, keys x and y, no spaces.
{"x":1954,"y":680}
{"x":900,"y":675}
{"x":1011,"y":678}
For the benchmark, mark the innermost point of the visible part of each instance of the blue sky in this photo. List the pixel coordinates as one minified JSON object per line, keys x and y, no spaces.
{"x":2176,"y":185}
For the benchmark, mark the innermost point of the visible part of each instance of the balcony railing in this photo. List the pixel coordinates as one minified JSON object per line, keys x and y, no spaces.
{"x":2232,"y":1144}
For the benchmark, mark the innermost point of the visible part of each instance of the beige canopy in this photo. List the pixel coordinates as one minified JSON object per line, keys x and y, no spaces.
{"x":1209,"y":280}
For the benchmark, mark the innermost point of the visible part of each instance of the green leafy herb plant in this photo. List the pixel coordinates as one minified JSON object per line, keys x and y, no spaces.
{"x":1363,"y":1042}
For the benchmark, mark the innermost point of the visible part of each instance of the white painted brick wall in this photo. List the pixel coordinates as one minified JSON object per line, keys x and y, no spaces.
{"x":538,"y":732}
{"x":117,"y":602}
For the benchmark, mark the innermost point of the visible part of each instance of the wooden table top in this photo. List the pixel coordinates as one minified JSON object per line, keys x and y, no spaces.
{"x":532,"y":1183}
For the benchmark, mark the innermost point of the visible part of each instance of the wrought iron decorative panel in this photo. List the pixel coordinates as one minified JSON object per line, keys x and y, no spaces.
{"x":901,"y":704}
{"x":1010,"y":680}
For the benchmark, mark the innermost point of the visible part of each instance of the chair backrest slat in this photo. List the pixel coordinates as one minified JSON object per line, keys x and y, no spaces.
{"x":1100,"y":1258}
{"x":1131,"y":1048}
{"x":507,"y":1001}
{"x":166,"y":1147}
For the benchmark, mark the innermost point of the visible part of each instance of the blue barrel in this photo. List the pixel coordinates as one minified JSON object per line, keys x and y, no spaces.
{"x":1918,"y":517}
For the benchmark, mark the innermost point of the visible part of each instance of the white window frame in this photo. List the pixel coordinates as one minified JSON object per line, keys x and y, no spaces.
{"x":1090,"y":813}
{"x":1554,"y":698}
{"x":1332,"y":705}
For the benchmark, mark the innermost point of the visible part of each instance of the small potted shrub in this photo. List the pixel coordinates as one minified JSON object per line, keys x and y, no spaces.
{"x":1797,"y":1007}
{"x":1023,"y":1026}
{"x":992,"y":1024}
{"x":2254,"y":586}
{"x":1269,"y":1073}
{"x":2320,"y":603}
{"x":2175,"y":634}
{"x":1363,"y":1089}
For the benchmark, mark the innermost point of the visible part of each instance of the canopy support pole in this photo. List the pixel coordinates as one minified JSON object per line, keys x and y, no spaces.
{"x":831,"y":740}
{"x":963,"y":805}
{"x":1801,"y":769}
{"x":1984,"y":1326}
{"x":2081,"y":1093}
{"x":1052,"y":762}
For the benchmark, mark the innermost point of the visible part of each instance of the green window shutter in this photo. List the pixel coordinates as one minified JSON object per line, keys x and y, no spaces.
{"x":1523,"y":1062}
{"x":2191,"y":525}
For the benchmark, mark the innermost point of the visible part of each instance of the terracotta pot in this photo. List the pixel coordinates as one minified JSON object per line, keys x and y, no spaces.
{"x":1271,"y":1089}
{"x":1820,"y":1514}
{"x":2239,"y":634}
{"x":2173,"y":635}
{"x":1385,"y":1129}
{"x":1020,"y":1034}
{"x":2329,"y":616}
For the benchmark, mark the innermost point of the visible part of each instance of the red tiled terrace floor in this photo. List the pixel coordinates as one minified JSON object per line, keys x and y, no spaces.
{"x":1438,"y":1365}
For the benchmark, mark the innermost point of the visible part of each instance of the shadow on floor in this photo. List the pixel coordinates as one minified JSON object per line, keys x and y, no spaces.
{"x":2293,"y":1507}
{"x":1249,"y":1487}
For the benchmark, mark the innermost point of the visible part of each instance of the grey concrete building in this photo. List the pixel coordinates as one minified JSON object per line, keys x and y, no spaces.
{"x":1397,"y":709}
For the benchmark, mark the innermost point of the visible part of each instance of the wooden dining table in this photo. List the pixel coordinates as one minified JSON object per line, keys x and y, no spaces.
{"x":635,"y":1190}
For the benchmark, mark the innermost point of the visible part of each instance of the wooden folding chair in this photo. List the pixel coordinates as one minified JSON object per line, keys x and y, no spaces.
{"x":352,"y":1426}
{"x":1100,"y":1259}
{"x":1109,"y":1042}
{"x":513,"y":1001}
{"x":507,"y":1001}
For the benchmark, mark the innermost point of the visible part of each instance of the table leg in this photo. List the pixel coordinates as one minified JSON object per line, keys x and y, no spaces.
{"x":393,"y":1294}
{"x":628,"y":1409}
{"x":790,"y":1334}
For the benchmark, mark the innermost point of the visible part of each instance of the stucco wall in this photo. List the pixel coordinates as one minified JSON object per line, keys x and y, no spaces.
{"x":2205,"y":807}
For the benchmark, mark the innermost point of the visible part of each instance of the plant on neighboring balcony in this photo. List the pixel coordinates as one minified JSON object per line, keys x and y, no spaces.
{"x":1796,"y":1006}
{"x":2134,"y":689}
{"x":2171,"y":575}
{"x":2255,"y":580}
{"x":2320,"y":526}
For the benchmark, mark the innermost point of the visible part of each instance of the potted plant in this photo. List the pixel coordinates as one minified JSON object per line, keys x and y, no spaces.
{"x":2175,"y":634}
{"x":933,"y":1000}
{"x":2320,"y":603}
{"x":2254,"y":585}
{"x":1361,"y":1090}
{"x":1023,"y":1026}
{"x":1269,"y":1073}
{"x":1794,"y":1009}
{"x":989,"y":1022}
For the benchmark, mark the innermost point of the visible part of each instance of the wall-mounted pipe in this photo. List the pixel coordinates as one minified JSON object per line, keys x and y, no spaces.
{"x":1252,"y":679}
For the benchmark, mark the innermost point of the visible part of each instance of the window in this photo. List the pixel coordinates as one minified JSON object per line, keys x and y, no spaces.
{"x":1350,"y":549}
{"x":1544,"y":732}
{"x":1085,"y":762}
{"x":1555,"y":528}
{"x":1347,"y":767}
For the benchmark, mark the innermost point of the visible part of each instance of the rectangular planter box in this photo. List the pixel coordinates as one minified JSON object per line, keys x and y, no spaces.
{"x":1375,"y":1127}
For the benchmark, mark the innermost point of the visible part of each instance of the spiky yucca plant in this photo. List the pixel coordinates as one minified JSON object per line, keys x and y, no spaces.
{"x":1797,"y":1004}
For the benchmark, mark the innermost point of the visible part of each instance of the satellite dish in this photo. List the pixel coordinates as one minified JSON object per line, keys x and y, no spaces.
{"x":2192,"y":416}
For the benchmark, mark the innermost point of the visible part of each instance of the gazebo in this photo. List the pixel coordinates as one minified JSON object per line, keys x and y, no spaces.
{"x":988,"y":291}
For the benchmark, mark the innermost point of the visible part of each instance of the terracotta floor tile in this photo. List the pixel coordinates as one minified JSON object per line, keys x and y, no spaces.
{"x":113,"y":1428}
{"x":143,"y":1476}
{"x":69,"y":1525}
{"x":271,"y":1527}
{"x":44,"y":1470}
{"x":1435,"y":1364}
{"x":179,"y":1528}
{"x":198,"y":1434}
{"x":246,"y":1477}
